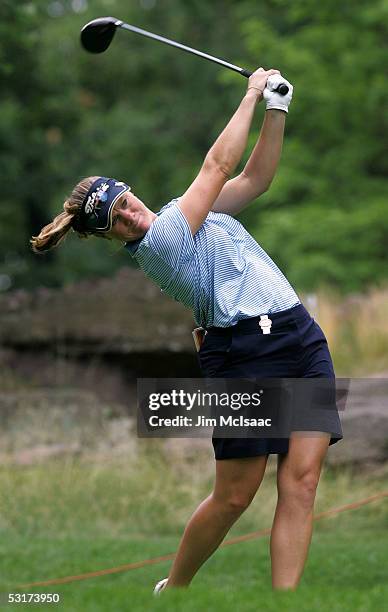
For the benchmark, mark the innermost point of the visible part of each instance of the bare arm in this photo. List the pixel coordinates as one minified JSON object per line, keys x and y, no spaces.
{"x":259,"y":170}
{"x":223,"y":157}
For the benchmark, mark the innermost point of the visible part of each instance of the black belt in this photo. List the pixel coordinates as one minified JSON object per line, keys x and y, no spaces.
{"x":261,"y":323}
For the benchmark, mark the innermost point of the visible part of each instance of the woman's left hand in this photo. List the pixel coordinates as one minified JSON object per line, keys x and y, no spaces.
{"x":273,"y":98}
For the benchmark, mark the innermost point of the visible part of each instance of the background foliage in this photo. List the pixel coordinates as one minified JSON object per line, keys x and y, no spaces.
{"x":148,"y":114}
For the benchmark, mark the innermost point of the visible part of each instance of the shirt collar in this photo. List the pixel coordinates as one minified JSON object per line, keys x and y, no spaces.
{"x":133,"y":245}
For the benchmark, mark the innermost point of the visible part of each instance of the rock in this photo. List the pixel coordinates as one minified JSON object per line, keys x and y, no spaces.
{"x":124,"y":314}
{"x":365,"y":424}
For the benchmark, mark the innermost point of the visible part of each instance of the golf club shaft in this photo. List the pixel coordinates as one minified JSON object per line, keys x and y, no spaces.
{"x":167,"y":41}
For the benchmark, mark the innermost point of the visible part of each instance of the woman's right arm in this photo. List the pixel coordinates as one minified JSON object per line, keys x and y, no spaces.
{"x":224,"y":156}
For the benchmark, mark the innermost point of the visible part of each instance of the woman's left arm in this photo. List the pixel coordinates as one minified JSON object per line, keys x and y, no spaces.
{"x":259,"y":170}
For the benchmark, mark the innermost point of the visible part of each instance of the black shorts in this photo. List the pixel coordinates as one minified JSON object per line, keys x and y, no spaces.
{"x":295,"y":348}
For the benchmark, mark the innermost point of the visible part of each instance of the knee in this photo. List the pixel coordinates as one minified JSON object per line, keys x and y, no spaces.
{"x":299,"y":489}
{"x":234,"y":502}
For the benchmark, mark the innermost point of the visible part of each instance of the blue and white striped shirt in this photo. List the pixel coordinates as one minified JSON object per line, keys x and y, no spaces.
{"x":221,"y":273}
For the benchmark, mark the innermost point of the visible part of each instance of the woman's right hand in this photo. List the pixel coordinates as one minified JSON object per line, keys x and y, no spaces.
{"x":258,"y":80}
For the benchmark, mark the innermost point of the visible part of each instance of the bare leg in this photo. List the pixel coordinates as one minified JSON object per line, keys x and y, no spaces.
{"x":298,"y":476}
{"x":237,"y":481}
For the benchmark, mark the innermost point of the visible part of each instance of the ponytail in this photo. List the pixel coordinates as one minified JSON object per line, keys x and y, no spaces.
{"x":55,"y":232}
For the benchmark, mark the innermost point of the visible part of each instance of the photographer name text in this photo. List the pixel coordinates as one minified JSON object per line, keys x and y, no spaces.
{"x":202,"y":421}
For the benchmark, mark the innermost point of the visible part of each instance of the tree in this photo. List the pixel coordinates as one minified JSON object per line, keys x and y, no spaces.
{"x":324,"y":217}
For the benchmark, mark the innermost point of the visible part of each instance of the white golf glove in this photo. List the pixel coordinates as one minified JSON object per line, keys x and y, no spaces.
{"x":274,"y":99}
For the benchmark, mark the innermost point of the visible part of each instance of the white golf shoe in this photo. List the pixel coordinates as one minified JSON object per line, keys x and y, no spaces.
{"x":160,"y":586}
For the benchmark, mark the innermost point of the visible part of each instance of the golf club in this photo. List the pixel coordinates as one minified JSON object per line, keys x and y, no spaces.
{"x":97,"y":35}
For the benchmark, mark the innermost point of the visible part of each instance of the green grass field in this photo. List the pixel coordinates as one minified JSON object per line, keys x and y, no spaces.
{"x":68,"y":518}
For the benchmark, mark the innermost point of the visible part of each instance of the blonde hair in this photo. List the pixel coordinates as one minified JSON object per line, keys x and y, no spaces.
{"x":54,"y":233}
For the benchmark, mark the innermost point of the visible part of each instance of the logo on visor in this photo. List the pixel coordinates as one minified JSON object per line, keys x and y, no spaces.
{"x":100,"y":195}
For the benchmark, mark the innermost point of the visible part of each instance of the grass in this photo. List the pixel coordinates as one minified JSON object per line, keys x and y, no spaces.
{"x":345,"y":571}
{"x":69,"y":517}
{"x":89,"y":512}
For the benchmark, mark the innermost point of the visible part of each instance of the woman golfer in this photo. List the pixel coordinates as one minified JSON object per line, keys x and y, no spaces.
{"x":198,"y":253}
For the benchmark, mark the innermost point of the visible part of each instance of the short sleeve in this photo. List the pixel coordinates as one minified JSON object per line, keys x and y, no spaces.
{"x":170,"y":237}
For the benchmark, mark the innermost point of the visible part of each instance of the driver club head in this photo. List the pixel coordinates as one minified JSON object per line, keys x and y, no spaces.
{"x":97,"y":35}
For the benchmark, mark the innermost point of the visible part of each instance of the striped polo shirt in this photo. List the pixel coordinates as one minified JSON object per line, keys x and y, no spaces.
{"x":221,"y":272}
